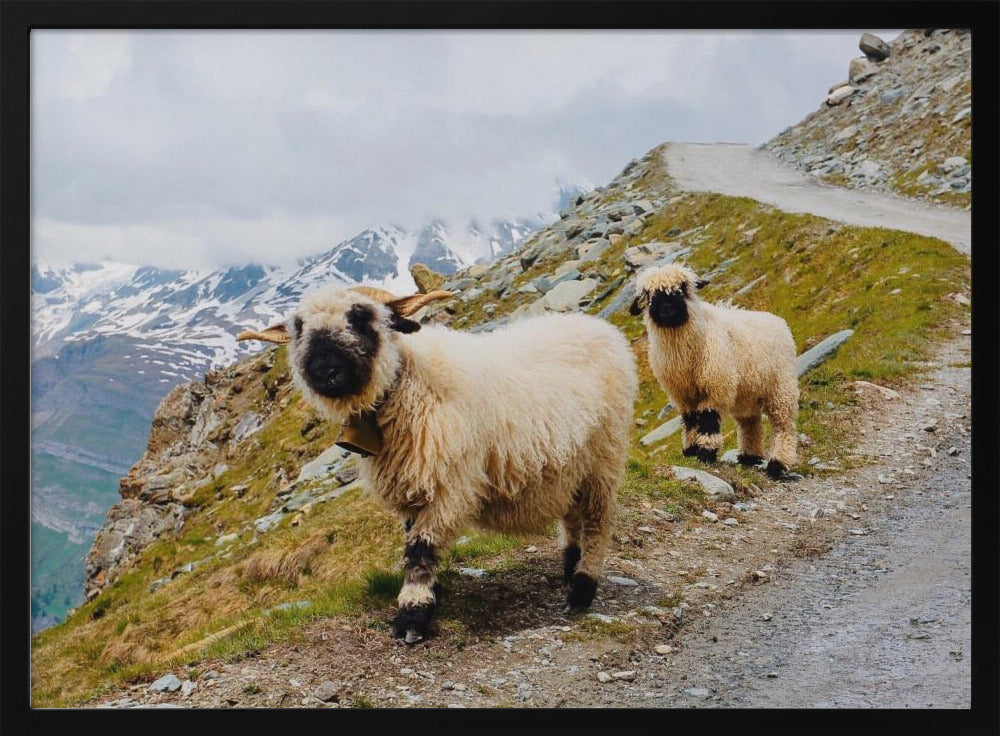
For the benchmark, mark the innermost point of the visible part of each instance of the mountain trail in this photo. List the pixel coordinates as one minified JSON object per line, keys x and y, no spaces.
{"x":740,"y":170}
{"x":849,"y":589}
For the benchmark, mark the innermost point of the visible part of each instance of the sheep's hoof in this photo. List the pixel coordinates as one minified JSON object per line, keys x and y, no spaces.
{"x":690,"y":451}
{"x":412,"y":623}
{"x":582,"y":590}
{"x":776,"y":470}
{"x":706,"y":455}
{"x":749,"y":461}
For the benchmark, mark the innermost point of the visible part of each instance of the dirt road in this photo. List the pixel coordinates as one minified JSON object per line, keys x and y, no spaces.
{"x":884,"y":619}
{"x":740,"y":170}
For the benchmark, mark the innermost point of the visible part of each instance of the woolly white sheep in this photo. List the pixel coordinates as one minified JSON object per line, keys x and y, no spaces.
{"x":711,"y":359}
{"x":506,"y":430}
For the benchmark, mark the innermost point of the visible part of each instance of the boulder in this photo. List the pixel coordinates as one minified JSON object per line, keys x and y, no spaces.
{"x":839,"y":95}
{"x":817,"y":354}
{"x":874,"y":47}
{"x":425,"y":279}
{"x":643,"y":255}
{"x":662,"y":432}
{"x":715,"y":488}
{"x":860,"y":69}
{"x":566,"y":296}
{"x":869,"y":169}
{"x":952,"y":163}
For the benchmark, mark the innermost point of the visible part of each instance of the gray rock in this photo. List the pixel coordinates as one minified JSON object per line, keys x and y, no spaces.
{"x":869,"y":169}
{"x":817,"y":354}
{"x":961,"y":115}
{"x":490,"y":326}
{"x":698,"y":692}
{"x":844,"y":134}
{"x":458,"y":284}
{"x":952,"y":163}
{"x":715,"y":488}
{"x":662,"y":432}
{"x":566,"y":296}
{"x":643,"y":255}
{"x":610,"y":288}
{"x":839,"y":95}
{"x":290,"y":606}
{"x":322,"y":464}
{"x":893,"y":95}
{"x":188,"y":687}
{"x":472,"y":572}
{"x":874,"y":47}
{"x":327,"y":691}
{"x":593,"y":249}
{"x":167,"y":683}
{"x":248,"y":424}
{"x":347,"y":474}
{"x":226,"y":539}
{"x":860,"y":69}
{"x":729,"y":456}
{"x":625,"y":582}
{"x":621,"y":300}
{"x":603,"y":618}
{"x":266,"y":523}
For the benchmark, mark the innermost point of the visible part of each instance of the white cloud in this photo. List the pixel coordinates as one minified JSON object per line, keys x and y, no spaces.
{"x":199,"y":147}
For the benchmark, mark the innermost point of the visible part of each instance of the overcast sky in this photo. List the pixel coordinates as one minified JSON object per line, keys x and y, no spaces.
{"x":200,"y":149}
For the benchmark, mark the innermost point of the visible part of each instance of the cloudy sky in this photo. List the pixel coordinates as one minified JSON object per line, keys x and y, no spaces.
{"x":200,"y":149}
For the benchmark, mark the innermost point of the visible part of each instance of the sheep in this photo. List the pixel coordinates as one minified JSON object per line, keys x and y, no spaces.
{"x":711,"y":358}
{"x":507,"y":430}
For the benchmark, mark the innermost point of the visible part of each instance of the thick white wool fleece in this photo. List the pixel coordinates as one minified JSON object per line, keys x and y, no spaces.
{"x":733,"y":360}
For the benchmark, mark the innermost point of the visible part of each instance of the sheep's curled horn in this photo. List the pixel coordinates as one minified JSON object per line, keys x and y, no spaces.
{"x":641,"y":300}
{"x":403,"y":306}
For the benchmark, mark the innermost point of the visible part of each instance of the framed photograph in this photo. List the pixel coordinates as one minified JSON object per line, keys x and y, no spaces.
{"x":497,"y":356}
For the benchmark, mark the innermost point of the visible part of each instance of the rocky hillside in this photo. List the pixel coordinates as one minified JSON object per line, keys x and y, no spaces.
{"x":900,"y":122}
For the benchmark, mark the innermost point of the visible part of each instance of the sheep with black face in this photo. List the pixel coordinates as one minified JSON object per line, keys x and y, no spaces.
{"x":712,"y":360}
{"x":507,"y":430}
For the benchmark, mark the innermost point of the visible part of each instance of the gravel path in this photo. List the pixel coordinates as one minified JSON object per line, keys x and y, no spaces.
{"x":884,"y":619}
{"x":742,"y":171}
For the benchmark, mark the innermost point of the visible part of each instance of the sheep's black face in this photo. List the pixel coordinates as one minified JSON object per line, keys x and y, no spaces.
{"x":336,"y":365}
{"x":669,"y":309}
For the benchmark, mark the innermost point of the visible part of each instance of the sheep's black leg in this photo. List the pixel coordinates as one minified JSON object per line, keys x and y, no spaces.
{"x":571,"y":556}
{"x":749,"y":461}
{"x":416,"y":599}
{"x":690,"y":440}
{"x":708,"y":426}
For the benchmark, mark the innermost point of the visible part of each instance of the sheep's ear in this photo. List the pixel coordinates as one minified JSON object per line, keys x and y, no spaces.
{"x":407,"y":305}
{"x":701,"y":283}
{"x":277,"y":334}
{"x":402,"y":324}
{"x":640,"y":302}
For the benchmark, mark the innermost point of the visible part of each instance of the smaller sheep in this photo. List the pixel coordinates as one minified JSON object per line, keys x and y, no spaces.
{"x":711,"y":359}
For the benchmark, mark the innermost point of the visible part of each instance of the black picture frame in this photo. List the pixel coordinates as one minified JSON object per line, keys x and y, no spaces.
{"x":18,"y":18}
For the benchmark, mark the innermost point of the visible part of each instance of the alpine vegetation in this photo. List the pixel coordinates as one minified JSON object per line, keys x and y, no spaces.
{"x":507,"y":430}
{"x":711,"y":359}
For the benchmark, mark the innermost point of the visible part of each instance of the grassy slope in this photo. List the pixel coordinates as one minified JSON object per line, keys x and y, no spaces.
{"x":342,"y":557}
